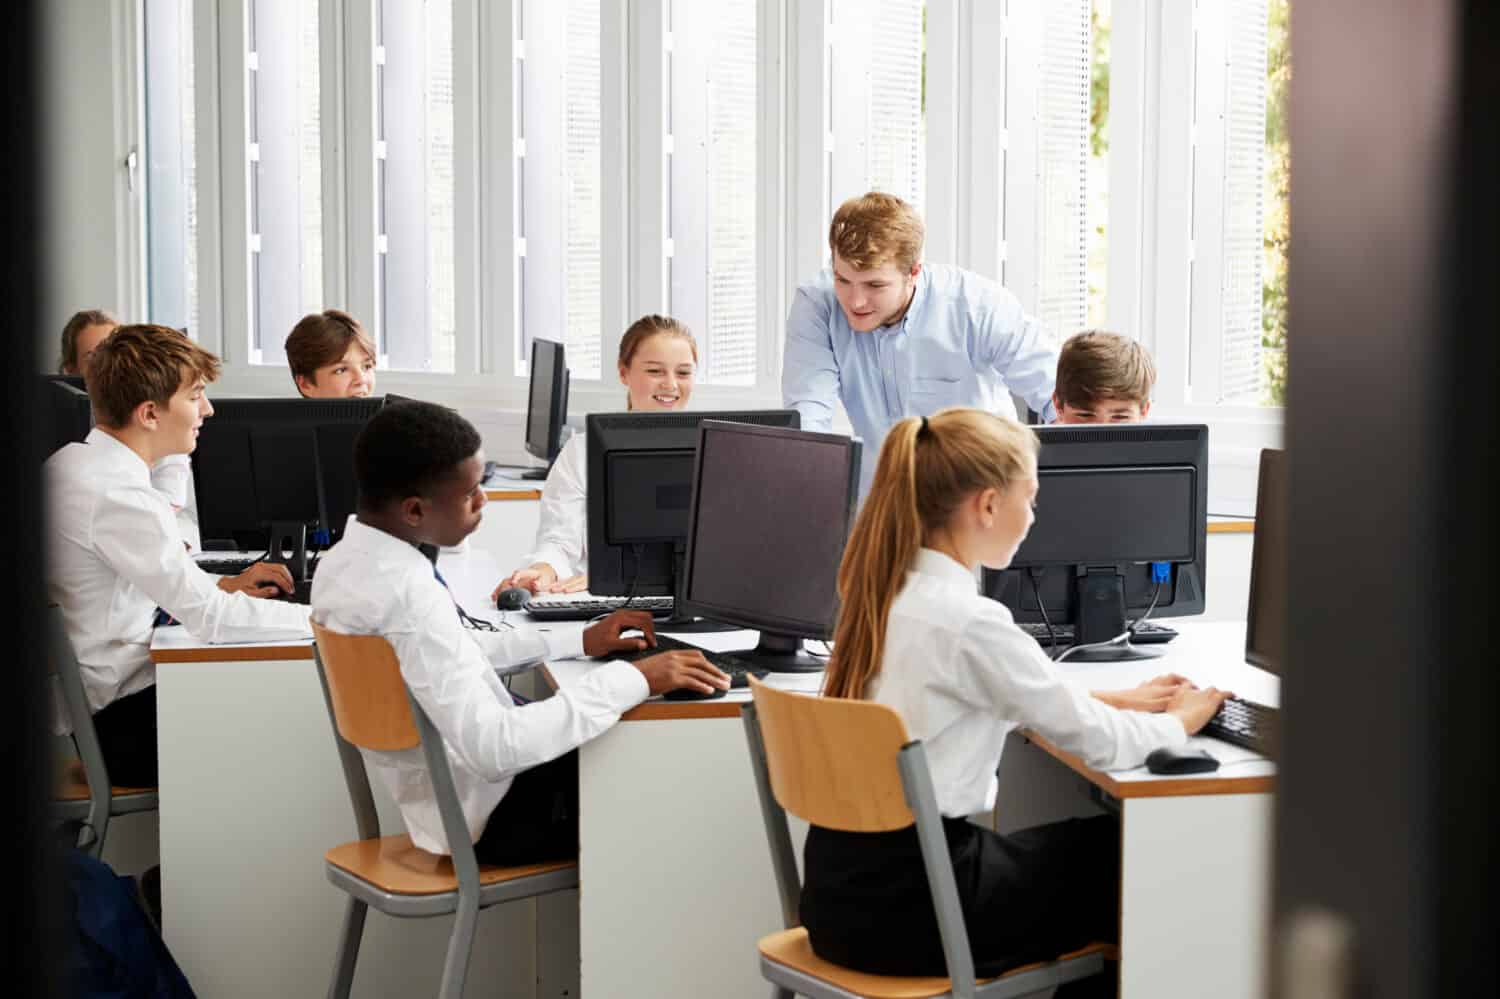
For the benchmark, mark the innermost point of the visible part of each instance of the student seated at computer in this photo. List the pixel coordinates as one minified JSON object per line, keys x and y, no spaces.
{"x":419,"y":467}
{"x":657,"y":363}
{"x":331,"y":356}
{"x":1103,"y":377}
{"x":951,"y":492}
{"x":115,"y":554}
{"x":173,"y":475}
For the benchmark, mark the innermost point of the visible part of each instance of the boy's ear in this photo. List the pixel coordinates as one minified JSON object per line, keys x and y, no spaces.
{"x":413,"y":510}
{"x":147,"y":415}
{"x":1145,"y":409}
{"x":304,"y":384}
{"x":1056,"y":402}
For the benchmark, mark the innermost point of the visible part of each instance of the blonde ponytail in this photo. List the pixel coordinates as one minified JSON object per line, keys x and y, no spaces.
{"x":927,"y":467}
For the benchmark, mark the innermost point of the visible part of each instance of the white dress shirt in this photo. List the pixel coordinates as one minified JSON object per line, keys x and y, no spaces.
{"x":173,"y":476}
{"x":373,"y":583}
{"x":115,"y":555}
{"x":962,"y":676}
{"x":562,"y":528}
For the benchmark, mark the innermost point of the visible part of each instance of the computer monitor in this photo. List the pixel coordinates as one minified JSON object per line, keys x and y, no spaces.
{"x":640,"y":489}
{"x":67,"y":416}
{"x":771,"y":511}
{"x":1112,"y":500}
{"x":1265,"y":625}
{"x":547,"y":405}
{"x":264,"y":462}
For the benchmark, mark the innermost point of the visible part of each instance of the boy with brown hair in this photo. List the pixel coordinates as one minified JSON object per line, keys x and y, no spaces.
{"x":115,"y":553}
{"x":1103,"y":377}
{"x":331,"y":356}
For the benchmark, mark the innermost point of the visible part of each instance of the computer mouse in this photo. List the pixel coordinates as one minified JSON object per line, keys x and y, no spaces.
{"x":689,"y":694}
{"x":1184,"y":760}
{"x":513,"y":598}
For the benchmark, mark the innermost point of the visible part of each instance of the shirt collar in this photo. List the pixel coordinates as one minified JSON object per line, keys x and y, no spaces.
{"x":375,"y":540}
{"x":117,"y":451}
{"x":942,"y":567}
{"x":918,"y":298}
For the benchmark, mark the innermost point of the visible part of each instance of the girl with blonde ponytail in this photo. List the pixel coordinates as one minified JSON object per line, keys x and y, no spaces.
{"x":952,"y":492}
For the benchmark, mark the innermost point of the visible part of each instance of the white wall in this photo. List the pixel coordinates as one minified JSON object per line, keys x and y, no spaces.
{"x":85,"y":224}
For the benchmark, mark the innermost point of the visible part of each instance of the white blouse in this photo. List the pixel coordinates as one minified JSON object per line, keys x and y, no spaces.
{"x":562,"y":527}
{"x":963,"y":675}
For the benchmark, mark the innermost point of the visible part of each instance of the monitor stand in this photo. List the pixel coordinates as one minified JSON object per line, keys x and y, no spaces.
{"x":686,"y":624}
{"x":287,"y":544}
{"x":1100,"y":619}
{"x":781,"y":654}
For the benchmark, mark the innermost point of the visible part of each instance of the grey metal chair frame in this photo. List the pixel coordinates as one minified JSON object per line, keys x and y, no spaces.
{"x":102,"y":804}
{"x":466,"y":902}
{"x":921,"y":798}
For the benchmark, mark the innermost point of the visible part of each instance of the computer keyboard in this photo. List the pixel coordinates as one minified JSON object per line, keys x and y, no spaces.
{"x":738,"y":669}
{"x":582,"y":606}
{"x":1146,"y":633}
{"x":1244,"y":723}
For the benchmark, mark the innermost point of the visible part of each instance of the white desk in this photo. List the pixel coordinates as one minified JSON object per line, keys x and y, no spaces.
{"x":676,"y":877}
{"x":251,"y":798}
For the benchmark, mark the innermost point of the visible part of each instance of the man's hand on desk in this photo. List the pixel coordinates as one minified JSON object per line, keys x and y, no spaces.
{"x":262,"y":579}
{"x":1153,"y":695}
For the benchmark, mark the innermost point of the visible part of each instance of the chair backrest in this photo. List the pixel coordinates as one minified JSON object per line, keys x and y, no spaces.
{"x":833,"y":761}
{"x":62,"y":663}
{"x":370,"y":706}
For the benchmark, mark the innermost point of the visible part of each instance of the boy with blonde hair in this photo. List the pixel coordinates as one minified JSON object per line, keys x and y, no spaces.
{"x":889,"y":337}
{"x":1103,"y":377}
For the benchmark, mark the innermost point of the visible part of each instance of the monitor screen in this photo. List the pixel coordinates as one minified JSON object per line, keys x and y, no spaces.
{"x":1265,"y":626}
{"x":546,"y":404}
{"x":640,"y":476}
{"x":771,"y":512}
{"x":1111,"y":500}
{"x":262,"y":461}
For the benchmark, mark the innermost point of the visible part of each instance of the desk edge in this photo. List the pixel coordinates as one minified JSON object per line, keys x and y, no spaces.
{"x":1182,"y":788}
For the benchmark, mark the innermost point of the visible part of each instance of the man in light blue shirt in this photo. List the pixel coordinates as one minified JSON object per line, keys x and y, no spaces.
{"x":890,"y":338}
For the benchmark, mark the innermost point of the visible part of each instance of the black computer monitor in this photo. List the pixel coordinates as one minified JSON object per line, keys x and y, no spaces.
{"x":1112,"y":500}
{"x":263,"y":462}
{"x":1265,"y":624}
{"x":67,"y":416}
{"x":771,"y":511}
{"x":640,"y":488}
{"x":547,"y":405}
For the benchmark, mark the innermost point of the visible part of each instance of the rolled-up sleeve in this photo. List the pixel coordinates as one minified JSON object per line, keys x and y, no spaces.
{"x":562,"y":518}
{"x":809,"y":370}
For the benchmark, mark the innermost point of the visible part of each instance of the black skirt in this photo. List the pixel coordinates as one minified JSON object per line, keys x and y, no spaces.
{"x":1026,"y":897}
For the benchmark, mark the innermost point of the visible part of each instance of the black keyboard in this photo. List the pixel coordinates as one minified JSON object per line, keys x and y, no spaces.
{"x":1244,"y":723}
{"x":1147,"y":633}
{"x":583,"y":606}
{"x":738,"y":669}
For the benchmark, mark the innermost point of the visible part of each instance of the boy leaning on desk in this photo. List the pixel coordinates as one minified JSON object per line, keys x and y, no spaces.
{"x":419,"y":469}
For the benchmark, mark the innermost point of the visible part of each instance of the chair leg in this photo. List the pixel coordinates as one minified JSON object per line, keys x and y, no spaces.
{"x":343,"y":965}
{"x":460,"y":945}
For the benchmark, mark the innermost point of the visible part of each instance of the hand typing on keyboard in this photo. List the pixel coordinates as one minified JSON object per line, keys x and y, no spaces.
{"x":262,"y":579}
{"x":672,"y":670}
{"x":1152,"y":695}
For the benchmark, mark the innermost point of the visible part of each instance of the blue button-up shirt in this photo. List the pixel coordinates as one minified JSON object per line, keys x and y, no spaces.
{"x":963,"y":342}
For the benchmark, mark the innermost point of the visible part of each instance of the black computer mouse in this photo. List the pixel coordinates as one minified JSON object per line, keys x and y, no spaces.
{"x":513,"y":598}
{"x":1184,"y":760}
{"x":689,"y":694}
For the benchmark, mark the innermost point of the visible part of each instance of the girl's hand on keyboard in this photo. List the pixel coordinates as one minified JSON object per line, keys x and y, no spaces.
{"x":574,"y":584}
{"x":1195,"y":707}
{"x":1153,"y":695}
{"x":537,"y":578}
{"x":603,"y":638}
{"x":681,"y":668}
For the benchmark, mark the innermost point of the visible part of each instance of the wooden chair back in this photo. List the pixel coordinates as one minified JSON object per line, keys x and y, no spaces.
{"x":370,"y":705}
{"x":832,"y":761}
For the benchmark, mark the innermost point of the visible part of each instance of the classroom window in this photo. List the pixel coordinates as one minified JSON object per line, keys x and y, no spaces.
{"x":415,"y":190}
{"x":1063,"y":165}
{"x":171,"y":182}
{"x":558,"y":194}
{"x":876,"y":90}
{"x":711,"y":180}
{"x":1097,"y":191}
{"x":283,"y":152}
